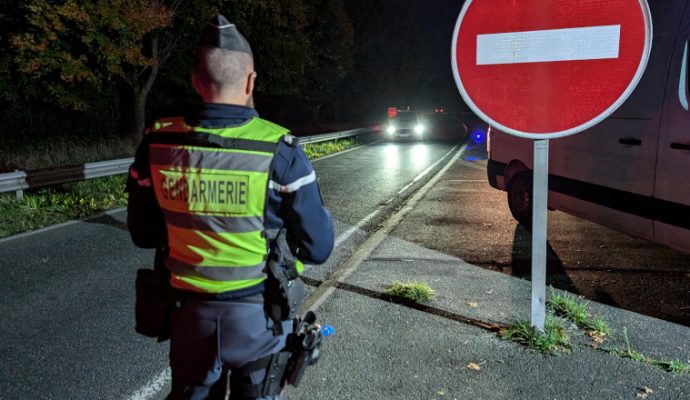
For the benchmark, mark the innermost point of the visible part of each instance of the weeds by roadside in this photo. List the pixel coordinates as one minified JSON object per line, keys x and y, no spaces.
{"x":415,"y":291}
{"x":57,"y":204}
{"x":321,"y":149}
{"x":674,"y":366}
{"x":570,"y":308}
{"x":553,"y":339}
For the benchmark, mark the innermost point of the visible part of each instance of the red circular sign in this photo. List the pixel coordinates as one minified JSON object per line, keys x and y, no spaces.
{"x":546,"y":69}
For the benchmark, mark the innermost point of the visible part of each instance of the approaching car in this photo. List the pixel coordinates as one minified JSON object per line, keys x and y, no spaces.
{"x":407,"y":125}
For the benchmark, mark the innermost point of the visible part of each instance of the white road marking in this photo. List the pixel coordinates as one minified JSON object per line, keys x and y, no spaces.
{"x":61,"y":225}
{"x":351,"y":231}
{"x":153,"y":387}
{"x":570,"y":44}
{"x":348,"y":233}
{"x":316,"y":299}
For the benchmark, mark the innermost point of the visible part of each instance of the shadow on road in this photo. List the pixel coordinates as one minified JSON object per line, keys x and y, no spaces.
{"x":521,"y":261}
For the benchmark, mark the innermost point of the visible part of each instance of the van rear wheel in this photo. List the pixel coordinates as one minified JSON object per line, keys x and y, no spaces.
{"x":520,"y":198}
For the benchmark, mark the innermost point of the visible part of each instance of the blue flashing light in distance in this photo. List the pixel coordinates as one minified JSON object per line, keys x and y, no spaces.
{"x":478,"y":136}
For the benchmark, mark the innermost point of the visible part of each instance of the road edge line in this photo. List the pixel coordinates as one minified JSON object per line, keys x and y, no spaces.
{"x":323,"y":291}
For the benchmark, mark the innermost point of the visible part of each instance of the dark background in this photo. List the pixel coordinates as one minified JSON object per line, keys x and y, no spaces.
{"x":322,"y":64}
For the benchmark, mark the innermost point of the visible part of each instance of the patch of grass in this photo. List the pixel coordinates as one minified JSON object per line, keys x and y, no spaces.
{"x":322,"y":149}
{"x":416,"y":291}
{"x":52,"y":205}
{"x":554,"y":338}
{"x":570,"y":308}
{"x":599,"y":327}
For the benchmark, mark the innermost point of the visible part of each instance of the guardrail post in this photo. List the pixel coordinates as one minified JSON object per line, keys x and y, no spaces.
{"x":19,"y":193}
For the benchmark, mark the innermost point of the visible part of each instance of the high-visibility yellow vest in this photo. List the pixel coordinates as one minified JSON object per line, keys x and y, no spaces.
{"x":212,"y":186}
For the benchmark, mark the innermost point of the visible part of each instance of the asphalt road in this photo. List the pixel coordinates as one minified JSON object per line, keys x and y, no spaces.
{"x":466,"y":218}
{"x":66,"y":308}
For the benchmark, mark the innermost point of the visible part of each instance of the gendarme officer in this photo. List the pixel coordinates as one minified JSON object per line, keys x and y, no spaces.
{"x":215,"y":193}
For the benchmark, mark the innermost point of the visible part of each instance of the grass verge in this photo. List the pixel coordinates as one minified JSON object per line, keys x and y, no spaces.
{"x":322,"y":149}
{"x":415,"y":291}
{"x":554,"y":339}
{"x":52,"y":205}
{"x":55,"y":204}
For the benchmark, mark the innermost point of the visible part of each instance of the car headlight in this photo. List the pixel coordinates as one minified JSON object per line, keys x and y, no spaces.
{"x":390,"y":129}
{"x":419,"y":129}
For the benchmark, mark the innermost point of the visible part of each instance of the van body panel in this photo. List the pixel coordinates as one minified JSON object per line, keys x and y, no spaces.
{"x":624,"y":172}
{"x":672,"y":226}
{"x":619,"y":220}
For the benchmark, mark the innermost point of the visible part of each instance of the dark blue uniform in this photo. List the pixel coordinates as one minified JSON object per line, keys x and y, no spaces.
{"x":212,"y":335}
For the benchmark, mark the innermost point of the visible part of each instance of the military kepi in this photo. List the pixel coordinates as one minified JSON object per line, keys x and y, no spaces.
{"x":222,"y":34}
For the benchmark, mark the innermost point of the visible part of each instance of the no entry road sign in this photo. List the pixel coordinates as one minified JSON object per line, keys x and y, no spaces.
{"x":546,"y":69}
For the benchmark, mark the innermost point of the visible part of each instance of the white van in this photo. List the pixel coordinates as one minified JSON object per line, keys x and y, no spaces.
{"x":630,"y":172}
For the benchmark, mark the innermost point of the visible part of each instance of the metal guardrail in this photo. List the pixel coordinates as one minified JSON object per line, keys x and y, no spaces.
{"x":19,"y":181}
{"x":324,"y":137}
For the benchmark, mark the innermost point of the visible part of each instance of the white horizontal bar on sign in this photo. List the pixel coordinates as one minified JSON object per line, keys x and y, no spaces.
{"x":569,"y":44}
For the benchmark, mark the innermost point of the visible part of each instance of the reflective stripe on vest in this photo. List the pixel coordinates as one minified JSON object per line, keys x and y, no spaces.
{"x":212,"y":187}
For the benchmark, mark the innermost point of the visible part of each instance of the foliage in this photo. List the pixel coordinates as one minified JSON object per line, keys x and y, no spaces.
{"x":9,"y":20}
{"x":77,"y":47}
{"x":386,"y":68}
{"x":328,"y":59}
{"x":333,"y":52}
{"x":60,"y":151}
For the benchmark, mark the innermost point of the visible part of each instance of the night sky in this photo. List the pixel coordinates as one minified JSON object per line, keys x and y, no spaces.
{"x":436,"y":21}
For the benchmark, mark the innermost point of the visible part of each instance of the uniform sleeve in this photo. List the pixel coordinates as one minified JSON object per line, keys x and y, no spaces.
{"x":307,"y":221}
{"x":144,"y":217}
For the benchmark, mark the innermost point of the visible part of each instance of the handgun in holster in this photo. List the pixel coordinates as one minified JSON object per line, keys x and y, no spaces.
{"x":304,"y":344}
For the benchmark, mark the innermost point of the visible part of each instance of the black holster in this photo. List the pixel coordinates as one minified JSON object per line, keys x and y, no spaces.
{"x":154,"y":300}
{"x":284,"y":292}
{"x":302,"y":349}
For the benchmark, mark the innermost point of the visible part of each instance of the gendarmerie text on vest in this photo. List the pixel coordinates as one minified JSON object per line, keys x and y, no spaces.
{"x":223,"y":189}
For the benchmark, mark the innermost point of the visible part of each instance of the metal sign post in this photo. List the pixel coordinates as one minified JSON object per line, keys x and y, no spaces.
{"x":545,"y":70}
{"x":540,"y":189}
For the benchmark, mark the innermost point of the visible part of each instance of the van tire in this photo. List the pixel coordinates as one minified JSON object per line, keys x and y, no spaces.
{"x":520,"y":198}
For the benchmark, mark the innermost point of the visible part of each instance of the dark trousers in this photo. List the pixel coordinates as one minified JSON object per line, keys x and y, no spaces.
{"x":210,"y":338}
